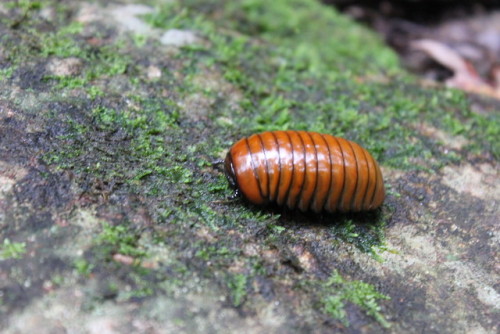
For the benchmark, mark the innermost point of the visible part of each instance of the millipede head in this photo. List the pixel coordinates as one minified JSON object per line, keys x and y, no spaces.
{"x":229,"y":168}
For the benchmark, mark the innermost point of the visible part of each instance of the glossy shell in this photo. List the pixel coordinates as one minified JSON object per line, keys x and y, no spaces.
{"x":305,"y":170}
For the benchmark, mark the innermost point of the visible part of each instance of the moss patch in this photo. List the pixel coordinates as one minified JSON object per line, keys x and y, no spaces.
{"x":338,"y":291}
{"x":12,"y":250}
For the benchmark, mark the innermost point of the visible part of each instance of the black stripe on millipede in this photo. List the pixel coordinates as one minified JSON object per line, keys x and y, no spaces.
{"x":343,"y":181}
{"x":330,"y":187}
{"x":253,"y":166}
{"x":353,"y":199}
{"x":267,"y":164}
{"x":293,"y":168}
{"x":305,"y":170}
{"x":275,"y":196}
{"x":363,"y":201}
{"x":376,"y":182}
{"x":317,"y":164}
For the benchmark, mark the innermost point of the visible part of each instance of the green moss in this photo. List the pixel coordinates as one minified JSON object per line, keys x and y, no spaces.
{"x":175,"y":15}
{"x":238,"y":287}
{"x":141,"y":292}
{"x":6,"y":73}
{"x":276,"y":228}
{"x":367,"y":232}
{"x":64,"y":42}
{"x":94,"y":92}
{"x":83,"y":267}
{"x":61,"y":43}
{"x":275,"y":115}
{"x":337,"y":291}
{"x":120,"y":239}
{"x":487,"y":129}
{"x":107,"y":63}
{"x":57,"y":280}
{"x":24,"y":5}
{"x":12,"y":250}
{"x":344,"y":46}
{"x":212,"y":251}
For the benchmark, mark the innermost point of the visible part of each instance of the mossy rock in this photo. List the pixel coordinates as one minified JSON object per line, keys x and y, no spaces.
{"x":114,"y":212}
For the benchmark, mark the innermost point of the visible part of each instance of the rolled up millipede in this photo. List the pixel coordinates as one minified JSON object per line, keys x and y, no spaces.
{"x":305,"y":170}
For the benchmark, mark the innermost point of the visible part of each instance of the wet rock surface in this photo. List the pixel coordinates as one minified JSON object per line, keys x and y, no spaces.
{"x":114,"y":218}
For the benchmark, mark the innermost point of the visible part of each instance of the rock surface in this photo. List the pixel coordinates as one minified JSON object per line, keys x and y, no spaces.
{"x":113,"y":217}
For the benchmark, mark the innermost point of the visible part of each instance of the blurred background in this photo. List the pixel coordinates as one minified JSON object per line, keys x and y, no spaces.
{"x":456,"y":42}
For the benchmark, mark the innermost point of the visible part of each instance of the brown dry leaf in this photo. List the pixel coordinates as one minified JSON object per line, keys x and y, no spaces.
{"x":465,"y":75}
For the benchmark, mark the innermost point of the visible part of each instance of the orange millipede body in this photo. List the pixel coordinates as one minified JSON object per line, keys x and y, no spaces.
{"x":305,"y":170}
